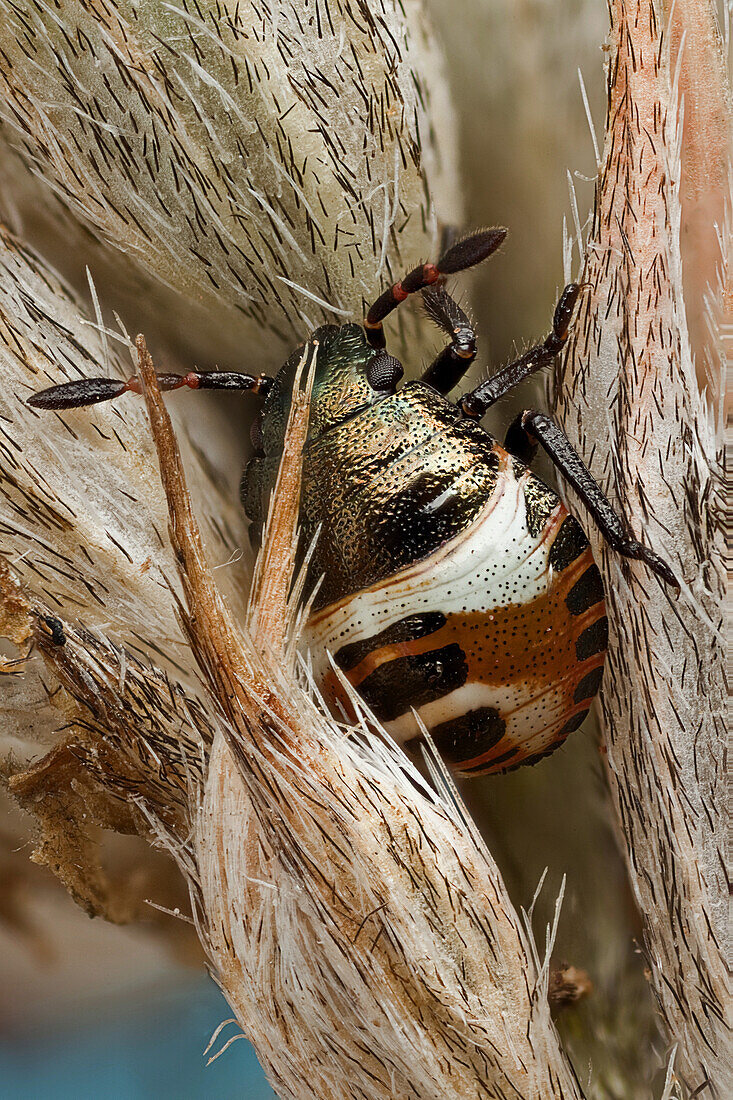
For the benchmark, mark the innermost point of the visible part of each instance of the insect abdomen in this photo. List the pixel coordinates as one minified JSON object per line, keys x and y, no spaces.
{"x":497,"y":638}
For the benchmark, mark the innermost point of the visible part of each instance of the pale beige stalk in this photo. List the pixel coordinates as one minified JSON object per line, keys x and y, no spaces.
{"x":629,"y":396}
{"x":358,"y":925}
{"x":264,"y":161}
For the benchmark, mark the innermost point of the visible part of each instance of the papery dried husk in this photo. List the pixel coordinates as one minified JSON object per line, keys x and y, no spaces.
{"x":82,"y":529}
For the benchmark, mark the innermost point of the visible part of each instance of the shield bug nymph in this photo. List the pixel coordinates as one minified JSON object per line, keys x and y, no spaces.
{"x":452,"y":580}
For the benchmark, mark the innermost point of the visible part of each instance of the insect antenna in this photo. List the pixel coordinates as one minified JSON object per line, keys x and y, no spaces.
{"x":460,"y":256}
{"x":90,"y":391}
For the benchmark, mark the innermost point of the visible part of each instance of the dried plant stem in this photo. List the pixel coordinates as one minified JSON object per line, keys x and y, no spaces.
{"x":269,"y":618}
{"x":356,"y":922}
{"x":630,"y":376}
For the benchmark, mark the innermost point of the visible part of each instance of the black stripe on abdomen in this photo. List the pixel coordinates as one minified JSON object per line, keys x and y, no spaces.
{"x":585,"y":592}
{"x":594,"y":639}
{"x":469,"y":735}
{"x":573,"y":723}
{"x":412,"y":681}
{"x":568,"y":544}
{"x":588,"y":686}
{"x":406,"y":630}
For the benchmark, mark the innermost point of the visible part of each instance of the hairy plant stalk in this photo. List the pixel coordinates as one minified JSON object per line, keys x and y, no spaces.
{"x":265,"y":161}
{"x":633,"y":376}
{"x":82,"y":527}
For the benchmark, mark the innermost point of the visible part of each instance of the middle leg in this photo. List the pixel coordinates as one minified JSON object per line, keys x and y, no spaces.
{"x":475,"y":403}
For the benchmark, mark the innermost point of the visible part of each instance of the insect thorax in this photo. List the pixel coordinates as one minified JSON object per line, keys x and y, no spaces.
{"x":386,"y":479}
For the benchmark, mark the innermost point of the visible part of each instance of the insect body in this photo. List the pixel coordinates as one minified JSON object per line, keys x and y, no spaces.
{"x":451,"y":580}
{"x":454,"y":581}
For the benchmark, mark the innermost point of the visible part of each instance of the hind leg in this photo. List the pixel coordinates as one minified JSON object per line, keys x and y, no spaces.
{"x":531,"y":429}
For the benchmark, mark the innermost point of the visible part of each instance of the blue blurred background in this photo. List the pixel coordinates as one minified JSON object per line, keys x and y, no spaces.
{"x":153,"y":1048}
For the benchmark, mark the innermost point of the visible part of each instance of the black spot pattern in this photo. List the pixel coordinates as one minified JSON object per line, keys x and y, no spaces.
{"x":585,"y":592}
{"x":569,"y":544}
{"x":594,"y":639}
{"x":471,"y":734}
{"x":396,"y":686}
{"x":589,"y":685}
{"x":390,"y":485}
{"x":406,"y":630}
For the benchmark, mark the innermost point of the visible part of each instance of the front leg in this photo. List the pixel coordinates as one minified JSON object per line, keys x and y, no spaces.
{"x":451,"y":364}
{"x":532,"y":428}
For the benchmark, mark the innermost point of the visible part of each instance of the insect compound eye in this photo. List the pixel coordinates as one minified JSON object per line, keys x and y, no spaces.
{"x":384,"y":372}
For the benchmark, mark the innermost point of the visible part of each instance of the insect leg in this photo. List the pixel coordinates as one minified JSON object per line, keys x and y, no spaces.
{"x":531,"y":428}
{"x":466,"y":253}
{"x":90,"y":391}
{"x":476,"y":402}
{"x":519,"y":442}
{"x":451,"y":364}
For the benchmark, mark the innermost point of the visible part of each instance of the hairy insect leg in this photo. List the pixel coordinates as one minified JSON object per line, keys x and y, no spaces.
{"x":449,"y":367}
{"x":90,"y":391}
{"x":476,"y":402}
{"x":466,"y":253}
{"x":532,"y":428}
